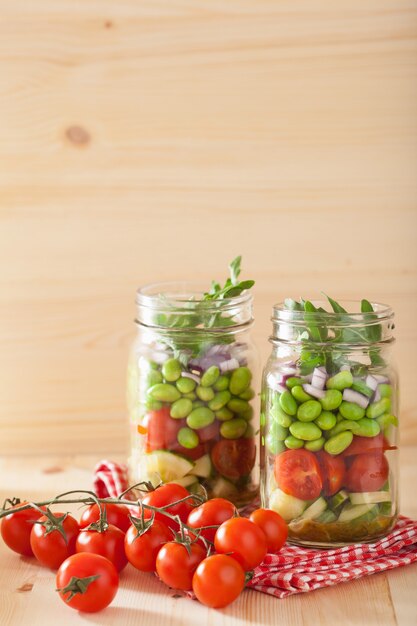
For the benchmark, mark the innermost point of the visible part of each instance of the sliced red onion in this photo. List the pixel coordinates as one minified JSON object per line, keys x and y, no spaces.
{"x":194,"y":377}
{"x":377,"y":396}
{"x":313,"y":391}
{"x":319,"y":378}
{"x":371,"y":382}
{"x":381,"y":378}
{"x":159,"y":357}
{"x":345,"y":368}
{"x":308,"y":377}
{"x":350,"y":395}
{"x":227,"y":366}
{"x":218,"y":348}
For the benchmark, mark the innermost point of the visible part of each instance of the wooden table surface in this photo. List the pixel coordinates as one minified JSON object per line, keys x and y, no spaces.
{"x":27,"y":591}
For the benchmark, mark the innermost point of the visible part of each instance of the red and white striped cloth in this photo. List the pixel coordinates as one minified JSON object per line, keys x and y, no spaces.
{"x":295,"y":569}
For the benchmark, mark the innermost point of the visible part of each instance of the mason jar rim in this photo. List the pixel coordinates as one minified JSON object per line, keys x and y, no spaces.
{"x":181,"y":293}
{"x":353,"y":316}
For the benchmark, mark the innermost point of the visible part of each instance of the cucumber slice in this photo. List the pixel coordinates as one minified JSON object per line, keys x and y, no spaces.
{"x":352,"y":512}
{"x":314,"y":510}
{"x":167,"y":465}
{"x":338,"y":499}
{"x":326,"y":517}
{"x":186,"y":481}
{"x":370,"y":497}
{"x":202,"y":467}
{"x":287,"y":506}
{"x":223,"y":488}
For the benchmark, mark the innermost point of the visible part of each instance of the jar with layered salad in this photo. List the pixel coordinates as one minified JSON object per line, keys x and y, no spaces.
{"x":329,"y":422}
{"x":192,"y":376}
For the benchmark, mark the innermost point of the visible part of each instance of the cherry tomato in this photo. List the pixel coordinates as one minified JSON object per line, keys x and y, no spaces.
{"x":297,"y":473}
{"x":210,"y":432}
{"x":365,"y":445}
{"x":218,"y":581}
{"x":50,"y":548}
{"x":176,"y":566}
{"x":367,"y":472}
{"x":117,"y":515}
{"x":167,"y":494}
{"x":109,"y":543}
{"x":162,"y":429}
{"x":191,"y":453}
{"x":243,"y":540}
{"x":273,"y":526}
{"x":332,"y":472}
{"x":211,"y":513}
{"x":141,"y":550}
{"x":16,"y":528}
{"x":99,"y":592}
{"x":234,"y":458}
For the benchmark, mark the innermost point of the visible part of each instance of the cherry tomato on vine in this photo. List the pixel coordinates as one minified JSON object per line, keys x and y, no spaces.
{"x":273,"y":526}
{"x":218,"y":581}
{"x":176,"y":566}
{"x":48,"y":543}
{"x":108,"y":543}
{"x":165,"y":495}
{"x":98,"y":582}
{"x":332,"y":471}
{"x":16,"y":528}
{"x":117,"y":515}
{"x":211,"y":513}
{"x":142,"y":549}
{"x":297,"y":473}
{"x":234,"y":458}
{"x":243,"y":540}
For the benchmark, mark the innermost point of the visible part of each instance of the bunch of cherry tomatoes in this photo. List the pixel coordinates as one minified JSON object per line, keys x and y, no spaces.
{"x":208,"y":549}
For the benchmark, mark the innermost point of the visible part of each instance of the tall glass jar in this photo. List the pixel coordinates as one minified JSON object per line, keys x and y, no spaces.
{"x":329,"y":423}
{"x":192,"y":375}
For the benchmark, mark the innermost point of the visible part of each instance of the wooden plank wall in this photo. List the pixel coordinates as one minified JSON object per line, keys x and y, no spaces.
{"x":143,"y":141}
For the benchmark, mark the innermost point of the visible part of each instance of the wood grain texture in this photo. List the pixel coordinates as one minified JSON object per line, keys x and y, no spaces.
{"x":384,"y":599}
{"x":144,"y":141}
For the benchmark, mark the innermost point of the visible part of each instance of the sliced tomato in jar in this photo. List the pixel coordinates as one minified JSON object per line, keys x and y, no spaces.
{"x":367,"y":472}
{"x":368,"y":445}
{"x":297,"y":473}
{"x":234,"y":458}
{"x":332,"y":471}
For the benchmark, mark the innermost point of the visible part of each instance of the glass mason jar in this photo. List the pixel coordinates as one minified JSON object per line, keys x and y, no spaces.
{"x":192,"y":375}
{"x":329,"y":422}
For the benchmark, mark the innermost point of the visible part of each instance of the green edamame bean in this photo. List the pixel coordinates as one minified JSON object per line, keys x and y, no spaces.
{"x":385,"y":390}
{"x":240,"y":380}
{"x":293,"y":381}
{"x":210,"y":376}
{"x":315,"y":445}
{"x":277,"y":431}
{"x":200,"y":417}
{"x":205,"y":393}
{"x":188,"y":438}
{"x":275,"y":446}
{"x":335,"y":445}
{"x":351,"y":411}
{"x":185,"y":385}
{"x":339,"y":417}
{"x":220,"y":400}
{"x":367,"y":427}
{"x":164,"y":392}
{"x":344,"y":425}
{"x":309,"y":411}
{"x":287,"y":403}
{"x":278,"y":415}
{"x":181,"y":408}
{"x":171,"y":370}
{"x":190,"y":396}
{"x":248,"y":414}
{"x":299,"y":394}
{"x":387,"y":419}
{"x":326,"y":420}
{"x":224,"y":414}
{"x":293,"y":443}
{"x":222,"y":383}
{"x":340,"y":381}
{"x":238,"y":406}
{"x":153,"y":377}
{"x":331,"y":400}
{"x":378,"y":408}
{"x":233,"y":429}
{"x":248,"y":394}
{"x":305,"y":430}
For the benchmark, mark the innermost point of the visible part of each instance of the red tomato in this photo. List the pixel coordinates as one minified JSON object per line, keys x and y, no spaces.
{"x":117,"y":515}
{"x":167,"y":494}
{"x":50,"y":548}
{"x":367,"y":472}
{"x":243,"y":540}
{"x":332,"y":471}
{"x":141,"y":550}
{"x":16,"y":528}
{"x":297,"y":473}
{"x":364,"y":445}
{"x":218,"y":581}
{"x":210,"y":432}
{"x":176,"y":567}
{"x":190,"y":453}
{"x":99,"y":592}
{"x":273,"y":526}
{"x":234,"y":458}
{"x":211,"y":513}
{"x":109,"y":543}
{"x":162,"y":429}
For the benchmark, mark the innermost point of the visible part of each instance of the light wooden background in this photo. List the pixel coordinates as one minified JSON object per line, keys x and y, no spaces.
{"x":152,"y":140}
